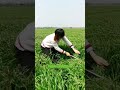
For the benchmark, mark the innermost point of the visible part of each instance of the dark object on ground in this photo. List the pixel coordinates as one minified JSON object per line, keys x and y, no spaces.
{"x":89,"y":62}
{"x":93,"y":73}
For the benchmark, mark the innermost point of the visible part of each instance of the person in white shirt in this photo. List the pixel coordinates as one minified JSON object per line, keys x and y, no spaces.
{"x":25,"y":47}
{"x":50,"y":44}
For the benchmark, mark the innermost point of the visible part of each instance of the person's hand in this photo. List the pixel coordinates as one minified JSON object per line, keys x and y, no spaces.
{"x":68,"y":54}
{"x":99,"y":60}
{"x":76,"y":51}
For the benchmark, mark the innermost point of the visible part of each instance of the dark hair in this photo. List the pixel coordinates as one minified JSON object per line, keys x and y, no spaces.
{"x":60,"y":32}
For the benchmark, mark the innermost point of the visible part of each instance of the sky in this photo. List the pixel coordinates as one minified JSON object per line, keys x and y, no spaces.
{"x":60,"y":13}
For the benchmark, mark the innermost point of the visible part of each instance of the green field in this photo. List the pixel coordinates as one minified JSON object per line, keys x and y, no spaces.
{"x":69,"y":73}
{"x":13,"y":20}
{"x":103,"y":32}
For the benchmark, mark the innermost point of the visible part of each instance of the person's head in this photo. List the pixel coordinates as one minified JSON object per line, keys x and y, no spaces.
{"x":59,"y":33}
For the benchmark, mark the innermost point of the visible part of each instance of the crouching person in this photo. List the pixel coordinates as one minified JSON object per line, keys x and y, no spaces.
{"x":50,"y":45}
{"x":25,"y":53}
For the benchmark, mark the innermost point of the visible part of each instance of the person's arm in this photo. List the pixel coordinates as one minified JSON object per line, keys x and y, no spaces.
{"x":65,"y":39}
{"x":57,"y":48}
{"x":99,"y":60}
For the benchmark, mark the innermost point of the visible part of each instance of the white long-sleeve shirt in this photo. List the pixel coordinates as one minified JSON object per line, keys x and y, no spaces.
{"x":25,"y":40}
{"x":49,"y":42}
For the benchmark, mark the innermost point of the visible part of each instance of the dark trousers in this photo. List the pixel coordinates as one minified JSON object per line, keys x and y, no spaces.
{"x":52,"y":53}
{"x":25,"y":59}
